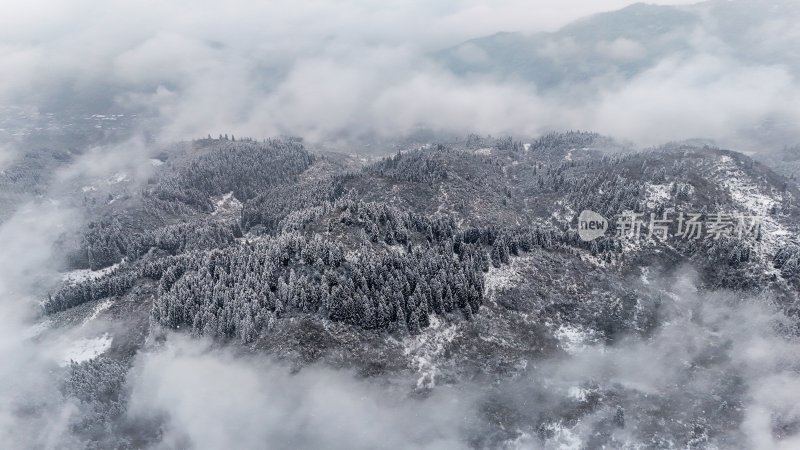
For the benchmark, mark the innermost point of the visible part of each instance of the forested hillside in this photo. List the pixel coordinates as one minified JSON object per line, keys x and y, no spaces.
{"x":437,"y":216}
{"x":273,"y":247}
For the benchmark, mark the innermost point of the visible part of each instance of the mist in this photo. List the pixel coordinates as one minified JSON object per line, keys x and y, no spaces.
{"x":33,"y":410}
{"x":36,"y":350}
{"x":212,"y":398}
{"x":369,"y":71}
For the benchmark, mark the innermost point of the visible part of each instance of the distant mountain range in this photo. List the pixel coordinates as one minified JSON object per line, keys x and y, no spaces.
{"x":627,"y":42}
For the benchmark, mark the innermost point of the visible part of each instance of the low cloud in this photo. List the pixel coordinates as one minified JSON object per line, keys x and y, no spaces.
{"x":350,"y":70}
{"x":33,"y":412}
{"x":721,"y":368}
{"x":701,"y":96}
{"x":721,"y":371}
{"x":212,"y":399}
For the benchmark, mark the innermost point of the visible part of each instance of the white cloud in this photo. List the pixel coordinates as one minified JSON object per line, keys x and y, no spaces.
{"x":472,"y":54}
{"x":702,"y":96}
{"x":214,"y":399}
{"x":32,"y":411}
{"x":622,"y":49}
{"x":347,"y":68}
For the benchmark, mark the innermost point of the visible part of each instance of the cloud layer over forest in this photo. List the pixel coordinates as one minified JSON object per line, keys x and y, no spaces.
{"x":333,"y":70}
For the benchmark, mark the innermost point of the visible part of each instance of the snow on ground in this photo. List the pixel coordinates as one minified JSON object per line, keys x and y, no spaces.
{"x":425,"y":348}
{"x":562,"y":438}
{"x":498,"y":279}
{"x":88,"y":188}
{"x":745,"y":193}
{"x":79,"y":275}
{"x":657,"y":194}
{"x":156,"y":162}
{"x":444,"y":199}
{"x":397,"y":249}
{"x":645,"y":277}
{"x":85,"y":349}
{"x":102,"y":306}
{"x":118,"y":177}
{"x":578,"y":393}
{"x":574,"y":339}
{"x":483,"y":151}
{"x":352,"y":256}
{"x":752,"y":200}
{"x":564,"y":214}
{"x":226,"y":204}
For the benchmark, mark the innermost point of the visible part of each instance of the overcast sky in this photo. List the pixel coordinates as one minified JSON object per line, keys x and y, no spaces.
{"x":433,"y":22}
{"x":324,"y":70}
